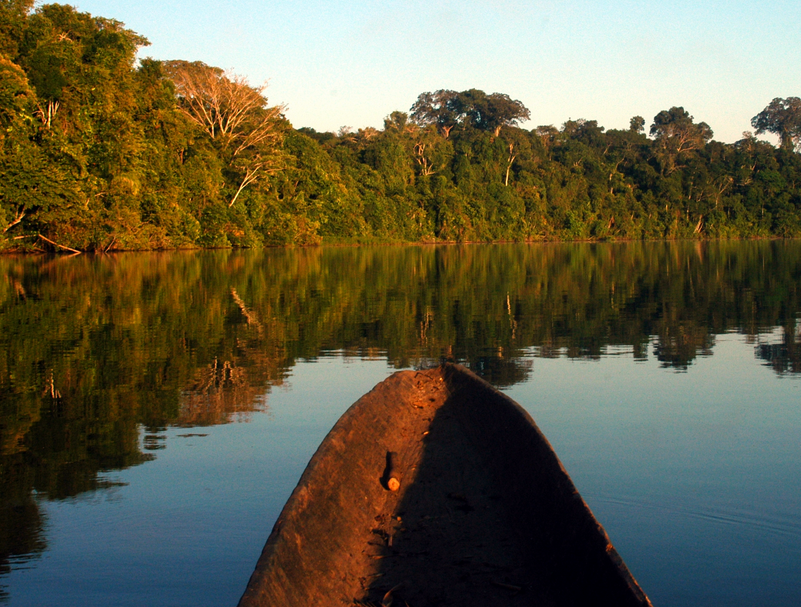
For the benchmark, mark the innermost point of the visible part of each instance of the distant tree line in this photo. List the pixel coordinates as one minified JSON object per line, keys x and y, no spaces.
{"x":99,"y":151}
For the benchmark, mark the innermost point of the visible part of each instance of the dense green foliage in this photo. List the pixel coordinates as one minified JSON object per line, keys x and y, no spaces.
{"x":99,"y":151}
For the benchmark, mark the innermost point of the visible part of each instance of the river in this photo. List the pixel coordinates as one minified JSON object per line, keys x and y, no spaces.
{"x":157,"y":409}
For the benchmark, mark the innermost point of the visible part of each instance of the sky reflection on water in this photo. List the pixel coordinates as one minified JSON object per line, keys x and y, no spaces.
{"x":694,"y":474}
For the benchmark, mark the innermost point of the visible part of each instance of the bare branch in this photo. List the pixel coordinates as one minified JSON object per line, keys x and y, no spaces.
{"x":20,"y":216}
{"x":60,"y":246}
{"x":234,"y":114}
{"x":225,"y":106}
{"x":251,"y":175}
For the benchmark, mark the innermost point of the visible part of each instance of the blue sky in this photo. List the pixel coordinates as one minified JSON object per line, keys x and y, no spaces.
{"x":337,"y":64}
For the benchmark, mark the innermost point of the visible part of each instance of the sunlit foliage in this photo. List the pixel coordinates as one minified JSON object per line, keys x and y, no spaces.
{"x":100,"y":151}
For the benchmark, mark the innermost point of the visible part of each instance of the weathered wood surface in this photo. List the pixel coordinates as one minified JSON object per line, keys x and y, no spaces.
{"x":485,"y":513}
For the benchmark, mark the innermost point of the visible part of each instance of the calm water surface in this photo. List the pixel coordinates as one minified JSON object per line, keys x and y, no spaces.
{"x":156,"y":410}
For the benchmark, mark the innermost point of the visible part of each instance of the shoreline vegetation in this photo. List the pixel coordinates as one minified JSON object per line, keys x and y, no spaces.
{"x":100,"y":151}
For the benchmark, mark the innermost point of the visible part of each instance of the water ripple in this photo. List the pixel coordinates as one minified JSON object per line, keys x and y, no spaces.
{"x":785,"y":524}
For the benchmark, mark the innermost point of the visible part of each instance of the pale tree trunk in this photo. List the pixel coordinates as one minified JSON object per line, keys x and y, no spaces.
{"x":251,"y":174}
{"x":60,"y":246}
{"x":20,"y":216}
{"x":511,"y":159}
{"x":47,"y":113}
{"x":419,"y":150}
{"x":726,"y":182}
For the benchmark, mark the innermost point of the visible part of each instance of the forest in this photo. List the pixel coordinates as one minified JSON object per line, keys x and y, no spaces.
{"x":101,"y":150}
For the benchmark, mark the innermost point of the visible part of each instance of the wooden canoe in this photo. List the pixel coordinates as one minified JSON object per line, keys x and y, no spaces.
{"x":485,"y":513}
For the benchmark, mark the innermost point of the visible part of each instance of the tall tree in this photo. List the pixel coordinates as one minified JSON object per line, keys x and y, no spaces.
{"x":234,"y":114}
{"x":83,"y":135}
{"x":637,"y":124}
{"x":781,"y":117}
{"x":75,"y":60}
{"x":676,"y":134}
{"x":17,"y":101}
{"x":490,"y":112}
{"x":436,"y":108}
{"x":473,"y":108}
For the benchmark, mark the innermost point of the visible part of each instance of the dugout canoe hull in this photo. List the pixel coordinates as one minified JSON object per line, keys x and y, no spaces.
{"x":485,"y":513}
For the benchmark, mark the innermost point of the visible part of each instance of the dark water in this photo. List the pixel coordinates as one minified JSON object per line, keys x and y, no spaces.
{"x":156,"y":410}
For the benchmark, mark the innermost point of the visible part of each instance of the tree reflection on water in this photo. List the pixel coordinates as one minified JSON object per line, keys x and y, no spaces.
{"x":96,"y":351}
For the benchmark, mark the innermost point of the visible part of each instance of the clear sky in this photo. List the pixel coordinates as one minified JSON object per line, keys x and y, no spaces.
{"x":351,"y":63}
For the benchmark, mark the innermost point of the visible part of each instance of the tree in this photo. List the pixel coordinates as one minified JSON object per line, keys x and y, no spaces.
{"x":234,"y":114}
{"x":547,"y":134}
{"x":16,"y":97}
{"x":16,"y":111}
{"x":80,"y":128}
{"x":637,"y":124}
{"x":677,"y":126}
{"x":586,"y":131}
{"x":224,"y":105}
{"x":74,"y":60}
{"x":399,"y":122}
{"x":436,"y":108}
{"x":783,"y":118}
{"x":490,"y":112}
{"x":676,"y":134}
{"x":13,"y":14}
{"x":472,"y":108}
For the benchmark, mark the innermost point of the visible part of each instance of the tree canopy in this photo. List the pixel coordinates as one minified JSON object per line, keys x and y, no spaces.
{"x":233,"y":114}
{"x":472,"y":108}
{"x":781,"y":117}
{"x":676,"y":134}
{"x":100,"y":151}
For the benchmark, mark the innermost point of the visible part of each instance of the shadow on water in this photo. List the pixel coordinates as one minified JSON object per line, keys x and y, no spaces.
{"x":21,"y":533}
